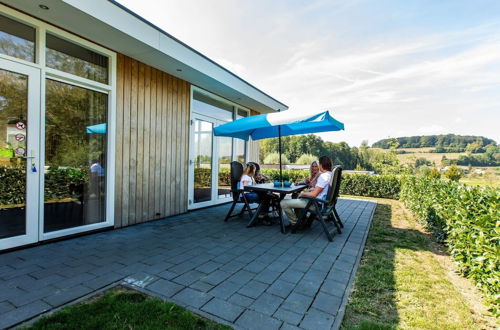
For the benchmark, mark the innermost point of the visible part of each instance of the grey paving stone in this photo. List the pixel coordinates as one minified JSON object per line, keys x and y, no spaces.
{"x":18,"y":315}
{"x":317,"y":320}
{"x":190,"y":277}
{"x":223,"y":309}
{"x":74,"y":280}
{"x":287,"y":326}
{"x":327,"y":303}
{"x":255,"y":266}
{"x":63,"y":296}
{"x":333,"y":288}
{"x":281,"y":288}
{"x":240,"y":300}
{"x":288,"y":316}
{"x":215,"y":277}
{"x":225,"y":289}
{"x":192,"y":297}
{"x":309,"y":288}
{"x":267,"y":276}
{"x":292,"y":276}
{"x":233,"y":266}
{"x":297,"y":302}
{"x":167,"y":275}
{"x":201,"y":286}
{"x":165,"y":288}
{"x":242,"y":277}
{"x":267,"y":303}
{"x":5,"y":307}
{"x":255,"y":320}
{"x":209,"y":267}
{"x":253,"y":289}
{"x":102,"y":281}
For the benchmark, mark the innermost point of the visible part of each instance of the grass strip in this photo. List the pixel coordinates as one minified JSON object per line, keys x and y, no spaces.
{"x":401,"y":283}
{"x":125,"y":309}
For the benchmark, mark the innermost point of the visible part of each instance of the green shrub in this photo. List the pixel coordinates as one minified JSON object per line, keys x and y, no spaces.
{"x":382,"y":186}
{"x":274,"y":158}
{"x":58,"y":184}
{"x":453,"y":173}
{"x":467,"y":218}
{"x":306,"y":159}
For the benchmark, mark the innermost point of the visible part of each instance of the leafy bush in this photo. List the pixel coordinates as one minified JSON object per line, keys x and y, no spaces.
{"x":453,"y":173}
{"x":306,"y":159}
{"x":274,"y":158}
{"x":467,"y":218}
{"x":58,"y":184}
{"x":382,"y":186}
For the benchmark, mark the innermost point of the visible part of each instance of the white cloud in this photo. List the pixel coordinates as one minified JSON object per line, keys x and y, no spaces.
{"x":380,"y":81}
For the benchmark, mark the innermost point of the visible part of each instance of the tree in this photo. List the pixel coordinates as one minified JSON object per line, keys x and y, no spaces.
{"x":453,"y":173}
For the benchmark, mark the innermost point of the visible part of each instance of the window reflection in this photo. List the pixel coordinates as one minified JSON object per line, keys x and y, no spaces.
{"x":72,"y":58}
{"x":75,"y":156}
{"x":13,"y":110}
{"x":17,"y":39}
{"x":203,"y":161}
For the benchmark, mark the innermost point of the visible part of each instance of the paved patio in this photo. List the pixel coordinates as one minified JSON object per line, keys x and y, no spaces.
{"x":250,"y":278}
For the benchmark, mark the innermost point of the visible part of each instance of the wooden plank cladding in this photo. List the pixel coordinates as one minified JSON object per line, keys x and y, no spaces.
{"x":152,"y":137}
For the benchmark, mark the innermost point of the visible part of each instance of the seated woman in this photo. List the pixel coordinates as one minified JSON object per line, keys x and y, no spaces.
{"x":313,"y":175}
{"x":292,"y":206}
{"x":247,"y":178}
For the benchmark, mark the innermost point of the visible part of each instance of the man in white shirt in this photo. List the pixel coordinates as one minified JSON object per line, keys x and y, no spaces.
{"x":291,"y":206}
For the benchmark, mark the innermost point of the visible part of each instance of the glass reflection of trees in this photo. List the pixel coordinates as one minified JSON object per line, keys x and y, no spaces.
{"x":69,"y":111}
{"x":17,"y":39}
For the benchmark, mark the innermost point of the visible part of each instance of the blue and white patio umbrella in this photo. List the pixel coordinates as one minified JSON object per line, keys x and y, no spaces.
{"x":279,"y":124}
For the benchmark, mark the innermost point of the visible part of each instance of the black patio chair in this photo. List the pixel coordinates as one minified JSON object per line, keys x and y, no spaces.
{"x":324,"y":210}
{"x":238,"y":195}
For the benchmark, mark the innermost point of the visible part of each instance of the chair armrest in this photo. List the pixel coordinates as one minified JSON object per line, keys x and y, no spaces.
{"x":314,"y":199}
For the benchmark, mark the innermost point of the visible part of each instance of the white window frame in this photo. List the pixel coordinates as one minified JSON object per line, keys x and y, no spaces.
{"x":41,"y":29}
{"x":215,"y":160}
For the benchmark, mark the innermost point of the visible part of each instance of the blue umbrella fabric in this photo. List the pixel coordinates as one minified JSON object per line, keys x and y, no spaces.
{"x":97,"y":129}
{"x":279,"y":124}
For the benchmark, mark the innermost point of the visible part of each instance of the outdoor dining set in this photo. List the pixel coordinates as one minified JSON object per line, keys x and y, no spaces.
{"x":321,"y":210}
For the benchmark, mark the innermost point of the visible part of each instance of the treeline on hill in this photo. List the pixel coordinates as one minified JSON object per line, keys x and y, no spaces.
{"x":351,"y":158}
{"x":442,"y":143}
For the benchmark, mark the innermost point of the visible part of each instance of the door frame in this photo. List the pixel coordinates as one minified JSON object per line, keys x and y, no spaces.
{"x":46,"y":72}
{"x":32,"y":201}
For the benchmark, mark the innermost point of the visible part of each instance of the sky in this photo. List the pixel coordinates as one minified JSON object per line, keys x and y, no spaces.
{"x":384,"y":68}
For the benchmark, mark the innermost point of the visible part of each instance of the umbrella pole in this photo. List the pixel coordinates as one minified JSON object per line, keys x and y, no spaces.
{"x":279,"y":148}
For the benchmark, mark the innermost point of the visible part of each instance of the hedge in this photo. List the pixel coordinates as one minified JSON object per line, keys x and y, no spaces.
{"x":382,"y":186}
{"x":467,"y":218}
{"x":58,"y":184}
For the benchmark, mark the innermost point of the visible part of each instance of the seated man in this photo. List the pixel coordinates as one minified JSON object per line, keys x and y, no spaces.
{"x":320,"y":190}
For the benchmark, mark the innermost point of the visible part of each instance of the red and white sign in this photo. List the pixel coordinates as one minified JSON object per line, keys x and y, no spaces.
{"x":20,"y":137}
{"x":20,"y":151}
{"x":20,"y":125}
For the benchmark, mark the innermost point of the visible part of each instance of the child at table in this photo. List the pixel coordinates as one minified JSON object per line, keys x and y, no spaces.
{"x":247,"y":179}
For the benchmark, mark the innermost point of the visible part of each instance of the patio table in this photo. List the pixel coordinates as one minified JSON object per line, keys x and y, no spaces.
{"x":282,"y":191}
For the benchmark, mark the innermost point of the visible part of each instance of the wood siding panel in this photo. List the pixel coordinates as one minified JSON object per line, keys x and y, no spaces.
{"x":152,"y":131}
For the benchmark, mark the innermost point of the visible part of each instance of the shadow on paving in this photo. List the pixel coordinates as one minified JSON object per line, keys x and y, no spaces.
{"x":247,"y":277}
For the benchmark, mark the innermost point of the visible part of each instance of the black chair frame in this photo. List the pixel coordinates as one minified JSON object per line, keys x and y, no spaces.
{"x":324,"y":210}
{"x":238,"y":194}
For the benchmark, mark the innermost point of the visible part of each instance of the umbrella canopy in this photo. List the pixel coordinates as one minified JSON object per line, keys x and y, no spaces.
{"x":279,"y":124}
{"x":97,"y":129}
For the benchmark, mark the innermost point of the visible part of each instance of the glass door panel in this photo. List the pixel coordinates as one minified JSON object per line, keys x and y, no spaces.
{"x":19,"y":102}
{"x":75,"y":156}
{"x":225,"y":153}
{"x":202,"y":160}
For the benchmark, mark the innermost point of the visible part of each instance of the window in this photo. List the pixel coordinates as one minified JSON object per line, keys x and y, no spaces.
{"x":17,"y":39}
{"x":241,"y":145}
{"x":208,"y":106}
{"x":72,"y":58}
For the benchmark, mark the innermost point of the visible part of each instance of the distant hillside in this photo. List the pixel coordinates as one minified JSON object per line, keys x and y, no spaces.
{"x":442,"y":143}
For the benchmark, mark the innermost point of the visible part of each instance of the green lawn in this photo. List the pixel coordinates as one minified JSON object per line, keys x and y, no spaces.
{"x":403,"y":282}
{"x":125,"y":309}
